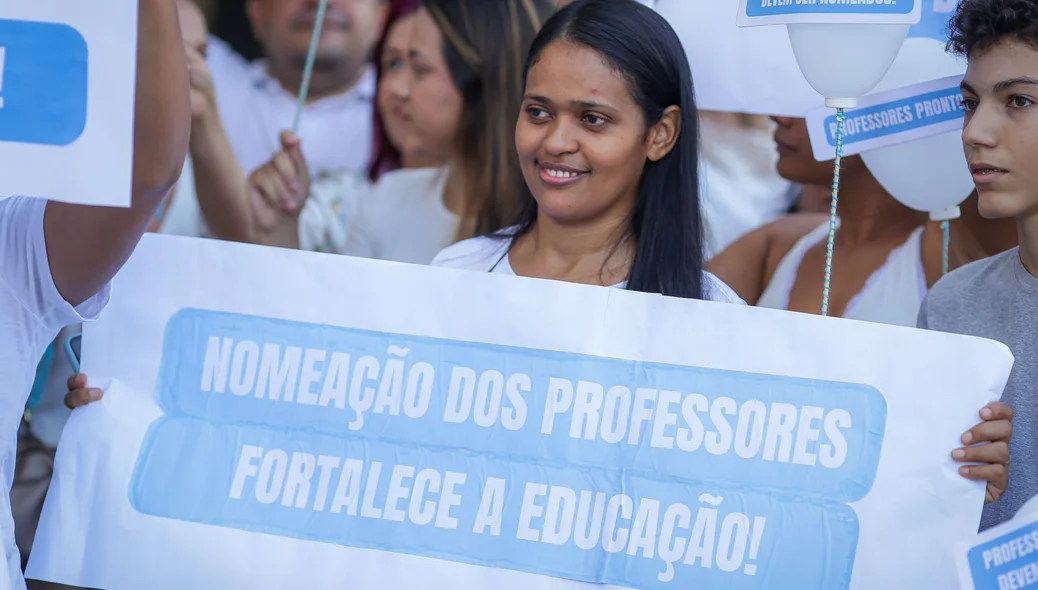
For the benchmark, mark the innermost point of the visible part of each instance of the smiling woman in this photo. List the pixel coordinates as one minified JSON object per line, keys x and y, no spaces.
{"x":607,"y":141}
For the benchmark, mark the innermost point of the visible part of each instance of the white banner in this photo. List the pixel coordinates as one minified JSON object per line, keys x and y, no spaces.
{"x":67,"y":78}
{"x":753,"y":70}
{"x":889,"y":118}
{"x":282,"y":419}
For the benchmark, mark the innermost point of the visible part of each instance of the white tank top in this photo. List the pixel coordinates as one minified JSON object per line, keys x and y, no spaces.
{"x":892,"y":295}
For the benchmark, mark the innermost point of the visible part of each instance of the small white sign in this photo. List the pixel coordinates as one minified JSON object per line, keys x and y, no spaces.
{"x":1001,"y":557}
{"x":889,"y":118}
{"x":67,"y":78}
{"x":754,"y":13}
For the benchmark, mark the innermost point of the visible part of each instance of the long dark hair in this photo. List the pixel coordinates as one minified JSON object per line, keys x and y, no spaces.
{"x":666,"y":225}
{"x":485,"y":43}
{"x":386,"y":157}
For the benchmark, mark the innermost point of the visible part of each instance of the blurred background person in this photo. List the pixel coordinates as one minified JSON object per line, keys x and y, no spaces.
{"x":256,"y":100}
{"x":741,"y":189}
{"x":451,"y":116}
{"x":887,"y":255}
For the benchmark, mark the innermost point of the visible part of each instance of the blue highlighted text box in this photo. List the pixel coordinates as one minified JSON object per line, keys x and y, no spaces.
{"x":758,"y":8}
{"x":693,"y":424}
{"x":1009,"y":561}
{"x":44,"y":84}
{"x":593,"y":525}
{"x":898,"y":116}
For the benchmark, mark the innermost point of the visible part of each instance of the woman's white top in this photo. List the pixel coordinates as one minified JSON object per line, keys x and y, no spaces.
{"x":490,"y":254}
{"x":403,"y":218}
{"x":892,"y":294}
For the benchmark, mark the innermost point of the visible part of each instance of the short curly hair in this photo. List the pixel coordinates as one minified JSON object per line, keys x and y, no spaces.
{"x":978,"y":25}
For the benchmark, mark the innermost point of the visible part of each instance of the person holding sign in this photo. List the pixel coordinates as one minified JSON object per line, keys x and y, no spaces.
{"x":608,"y":144}
{"x":461,"y":102}
{"x":609,"y":199}
{"x":57,"y":258}
{"x":997,"y":298}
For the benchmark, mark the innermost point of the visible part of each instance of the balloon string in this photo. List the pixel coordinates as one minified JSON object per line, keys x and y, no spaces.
{"x":826,"y":286}
{"x":945,"y":246}
{"x":311,"y":56}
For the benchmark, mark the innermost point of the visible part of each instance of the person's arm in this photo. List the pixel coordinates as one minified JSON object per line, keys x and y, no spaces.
{"x":220,"y":182}
{"x":742,"y":265}
{"x":86,"y":245}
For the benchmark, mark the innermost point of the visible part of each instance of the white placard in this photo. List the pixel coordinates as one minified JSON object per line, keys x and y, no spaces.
{"x":1001,"y":558}
{"x":889,"y":118}
{"x":753,"y":69}
{"x":754,"y":13}
{"x":519,"y":434}
{"x":67,"y":79}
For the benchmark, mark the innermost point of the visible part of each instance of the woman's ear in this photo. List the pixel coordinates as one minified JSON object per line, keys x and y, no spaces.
{"x":664,"y":134}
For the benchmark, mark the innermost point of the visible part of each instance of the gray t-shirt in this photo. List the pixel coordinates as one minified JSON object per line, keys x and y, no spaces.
{"x":997,"y":298}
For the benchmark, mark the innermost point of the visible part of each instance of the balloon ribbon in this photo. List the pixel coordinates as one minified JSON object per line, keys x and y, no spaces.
{"x":945,"y":245}
{"x":840,"y":116}
{"x":308,"y":71}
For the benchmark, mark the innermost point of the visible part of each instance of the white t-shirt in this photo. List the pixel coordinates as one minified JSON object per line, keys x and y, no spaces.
{"x":336,"y":130}
{"x":31,"y":314}
{"x":403,"y":219}
{"x":490,"y":254}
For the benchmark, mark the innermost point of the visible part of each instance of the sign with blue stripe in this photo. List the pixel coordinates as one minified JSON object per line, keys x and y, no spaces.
{"x":43,"y":82}
{"x":776,"y":12}
{"x":1001,"y":558}
{"x":67,"y":99}
{"x":889,"y":118}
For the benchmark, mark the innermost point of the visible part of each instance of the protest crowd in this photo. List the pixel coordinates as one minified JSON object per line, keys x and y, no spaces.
{"x":546,"y":139}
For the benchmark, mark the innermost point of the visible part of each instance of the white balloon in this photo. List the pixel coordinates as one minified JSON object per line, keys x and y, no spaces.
{"x":843,"y":62}
{"x":928,"y":174}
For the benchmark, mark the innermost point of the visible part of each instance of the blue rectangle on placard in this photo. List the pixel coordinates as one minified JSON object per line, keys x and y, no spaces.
{"x":757,"y":8}
{"x":1009,"y":561}
{"x":742,"y":429}
{"x":898,"y":116}
{"x":43,"y":83}
{"x":606,"y":526}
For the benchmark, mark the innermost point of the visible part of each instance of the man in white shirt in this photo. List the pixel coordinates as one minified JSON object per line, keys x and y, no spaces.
{"x":255,"y":102}
{"x":56,"y":259}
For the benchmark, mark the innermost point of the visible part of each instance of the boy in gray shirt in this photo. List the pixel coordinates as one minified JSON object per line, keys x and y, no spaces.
{"x":997,"y":298}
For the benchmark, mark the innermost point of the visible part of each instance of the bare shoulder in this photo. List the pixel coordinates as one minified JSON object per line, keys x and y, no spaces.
{"x":783,"y":234}
{"x":786,"y":231}
{"x":746,"y":266}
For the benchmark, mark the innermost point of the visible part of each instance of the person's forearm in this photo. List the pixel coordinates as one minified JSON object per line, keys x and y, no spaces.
{"x":162,"y":118}
{"x":86,"y":246}
{"x":220,"y":183}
